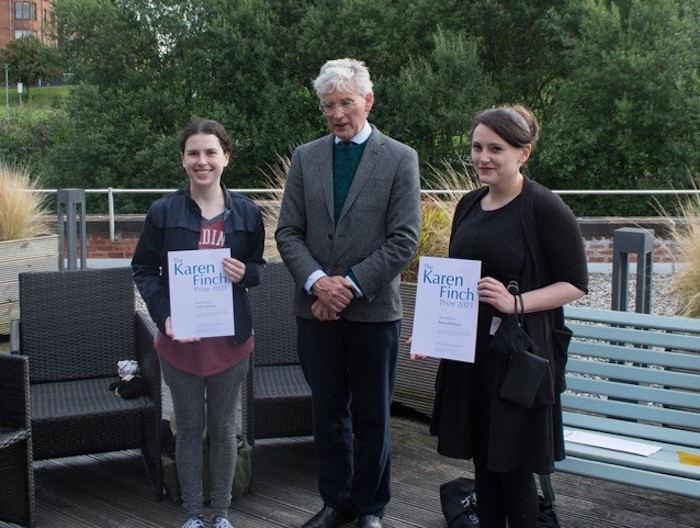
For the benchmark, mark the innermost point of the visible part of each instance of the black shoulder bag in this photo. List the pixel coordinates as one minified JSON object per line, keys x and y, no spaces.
{"x":526,"y":370}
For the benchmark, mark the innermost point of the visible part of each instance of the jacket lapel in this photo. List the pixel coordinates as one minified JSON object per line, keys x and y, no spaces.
{"x":322,"y":167}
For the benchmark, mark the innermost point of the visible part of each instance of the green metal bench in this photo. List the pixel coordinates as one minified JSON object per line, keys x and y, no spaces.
{"x":633,"y":377}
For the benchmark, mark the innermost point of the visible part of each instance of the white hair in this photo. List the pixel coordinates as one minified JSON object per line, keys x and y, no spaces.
{"x":336,"y":74}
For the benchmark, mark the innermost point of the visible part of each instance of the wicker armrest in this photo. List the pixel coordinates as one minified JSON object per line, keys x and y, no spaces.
{"x":147,"y":356}
{"x":14,"y":392}
{"x":248,"y":402}
{"x":14,"y":336}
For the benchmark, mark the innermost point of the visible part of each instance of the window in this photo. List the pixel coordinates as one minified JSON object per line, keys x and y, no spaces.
{"x":25,"y":11}
{"x":19,"y":33}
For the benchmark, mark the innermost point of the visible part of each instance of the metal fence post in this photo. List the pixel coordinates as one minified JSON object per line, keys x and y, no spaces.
{"x":637,"y":241}
{"x":69,"y":201}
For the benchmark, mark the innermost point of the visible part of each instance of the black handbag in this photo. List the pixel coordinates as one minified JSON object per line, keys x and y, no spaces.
{"x":458,"y":502}
{"x":523,"y":378}
{"x":526,"y":370}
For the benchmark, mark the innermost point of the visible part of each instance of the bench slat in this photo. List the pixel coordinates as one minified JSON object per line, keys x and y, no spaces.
{"x":632,"y":373}
{"x":616,"y":317}
{"x":633,"y":411}
{"x":635,"y":392}
{"x":631,"y":476}
{"x":664,"y":358}
{"x":664,"y":462}
{"x":635,"y":336}
{"x":633,"y":430}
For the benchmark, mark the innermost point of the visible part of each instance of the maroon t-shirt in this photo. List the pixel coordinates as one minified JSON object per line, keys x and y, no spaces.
{"x":211,"y":355}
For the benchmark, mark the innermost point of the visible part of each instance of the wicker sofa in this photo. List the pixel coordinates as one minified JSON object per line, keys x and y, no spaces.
{"x":16,"y":477}
{"x":74,"y":327}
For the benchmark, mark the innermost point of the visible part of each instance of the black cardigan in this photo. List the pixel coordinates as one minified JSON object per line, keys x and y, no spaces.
{"x":520,"y":438}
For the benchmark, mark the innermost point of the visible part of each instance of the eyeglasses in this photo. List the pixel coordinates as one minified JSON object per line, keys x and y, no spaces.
{"x":329,"y":108}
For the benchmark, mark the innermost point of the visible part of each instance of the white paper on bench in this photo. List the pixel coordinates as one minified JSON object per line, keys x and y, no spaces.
{"x":607,"y":442}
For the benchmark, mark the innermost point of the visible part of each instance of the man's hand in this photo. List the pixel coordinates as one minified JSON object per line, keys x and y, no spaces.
{"x":334,"y":292}
{"x":323,"y":312}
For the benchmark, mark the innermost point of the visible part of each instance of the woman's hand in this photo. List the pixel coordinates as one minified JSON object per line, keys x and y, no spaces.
{"x":169,"y":332}
{"x":409,"y":341}
{"x":234,"y":269}
{"x":493,"y":292}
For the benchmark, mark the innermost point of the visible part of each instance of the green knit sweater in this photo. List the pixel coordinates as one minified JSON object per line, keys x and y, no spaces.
{"x":345,"y":162}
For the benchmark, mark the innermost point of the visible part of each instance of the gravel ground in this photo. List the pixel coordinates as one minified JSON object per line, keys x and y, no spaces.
{"x":663,"y":301}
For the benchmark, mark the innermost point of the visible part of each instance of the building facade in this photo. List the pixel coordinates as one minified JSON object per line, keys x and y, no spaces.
{"x":20,"y":18}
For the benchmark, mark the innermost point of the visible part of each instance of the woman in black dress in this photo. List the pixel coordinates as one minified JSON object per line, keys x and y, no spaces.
{"x":520,"y":231}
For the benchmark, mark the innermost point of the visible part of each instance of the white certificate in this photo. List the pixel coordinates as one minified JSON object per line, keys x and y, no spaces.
{"x":201,"y":297}
{"x":447,"y":307}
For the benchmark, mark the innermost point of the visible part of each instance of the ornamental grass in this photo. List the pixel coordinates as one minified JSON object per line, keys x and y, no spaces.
{"x":446,"y":187}
{"x":686,"y":280}
{"x":22,"y":211}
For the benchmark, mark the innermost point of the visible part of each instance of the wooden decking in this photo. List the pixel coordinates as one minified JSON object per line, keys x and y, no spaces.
{"x":113,"y":490}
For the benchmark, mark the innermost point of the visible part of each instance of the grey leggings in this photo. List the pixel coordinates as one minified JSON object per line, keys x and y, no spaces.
{"x":189,"y":393}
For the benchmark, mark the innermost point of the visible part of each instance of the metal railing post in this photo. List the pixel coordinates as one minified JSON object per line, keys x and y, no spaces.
{"x":638,"y":241}
{"x":67,"y":201}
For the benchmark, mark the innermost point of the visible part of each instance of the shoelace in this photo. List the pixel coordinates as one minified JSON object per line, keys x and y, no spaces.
{"x":194,"y":522}
{"x":221,"y":522}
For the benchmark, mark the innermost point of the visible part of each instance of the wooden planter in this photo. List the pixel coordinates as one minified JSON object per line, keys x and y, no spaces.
{"x":415,"y":380}
{"x":29,"y":254}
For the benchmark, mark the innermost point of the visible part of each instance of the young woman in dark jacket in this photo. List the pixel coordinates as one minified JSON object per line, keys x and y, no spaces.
{"x":203,"y":215}
{"x":520,"y":231}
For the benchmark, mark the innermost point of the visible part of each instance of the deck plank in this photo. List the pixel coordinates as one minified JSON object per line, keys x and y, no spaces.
{"x":113,"y":491}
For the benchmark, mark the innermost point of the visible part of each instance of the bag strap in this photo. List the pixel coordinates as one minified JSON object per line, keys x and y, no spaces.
{"x":514,"y":289}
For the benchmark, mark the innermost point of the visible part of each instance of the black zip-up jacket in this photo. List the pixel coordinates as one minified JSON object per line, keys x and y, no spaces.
{"x":173,"y":223}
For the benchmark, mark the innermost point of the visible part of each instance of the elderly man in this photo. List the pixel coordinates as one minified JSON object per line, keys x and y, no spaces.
{"x":349,"y":224}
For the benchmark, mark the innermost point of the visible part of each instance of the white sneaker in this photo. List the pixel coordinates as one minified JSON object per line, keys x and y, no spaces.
{"x":193,"y":522}
{"x":220,"y":522}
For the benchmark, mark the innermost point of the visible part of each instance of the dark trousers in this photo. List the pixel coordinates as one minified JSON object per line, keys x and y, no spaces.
{"x":501,"y":496}
{"x":351,"y":369}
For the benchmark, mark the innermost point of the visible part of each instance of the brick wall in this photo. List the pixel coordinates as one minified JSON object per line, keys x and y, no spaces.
{"x":99,"y":246}
{"x":597,"y":232}
{"x":600,"y":249}
{"x":8,"y":23}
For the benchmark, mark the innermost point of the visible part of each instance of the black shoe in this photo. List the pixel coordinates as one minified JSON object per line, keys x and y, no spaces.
{"x":369,"y":521}
{"x":329,"y":518}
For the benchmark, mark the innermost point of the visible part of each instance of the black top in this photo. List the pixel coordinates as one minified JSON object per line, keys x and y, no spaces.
{"x":495,"y":238}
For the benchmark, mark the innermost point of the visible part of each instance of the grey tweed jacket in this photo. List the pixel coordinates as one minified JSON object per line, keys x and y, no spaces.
{"x":377,"y":232}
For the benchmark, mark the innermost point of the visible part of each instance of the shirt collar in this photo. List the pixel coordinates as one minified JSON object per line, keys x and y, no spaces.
{"x":361,"y":136}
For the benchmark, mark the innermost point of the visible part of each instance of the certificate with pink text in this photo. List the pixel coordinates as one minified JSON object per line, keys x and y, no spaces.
{"x":447,"y":308}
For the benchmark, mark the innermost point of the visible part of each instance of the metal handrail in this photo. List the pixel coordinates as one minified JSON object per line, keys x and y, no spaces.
{"x":111,"y":191}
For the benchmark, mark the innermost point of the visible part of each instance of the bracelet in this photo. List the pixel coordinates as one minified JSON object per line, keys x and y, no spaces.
{"x":517,"y":312}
